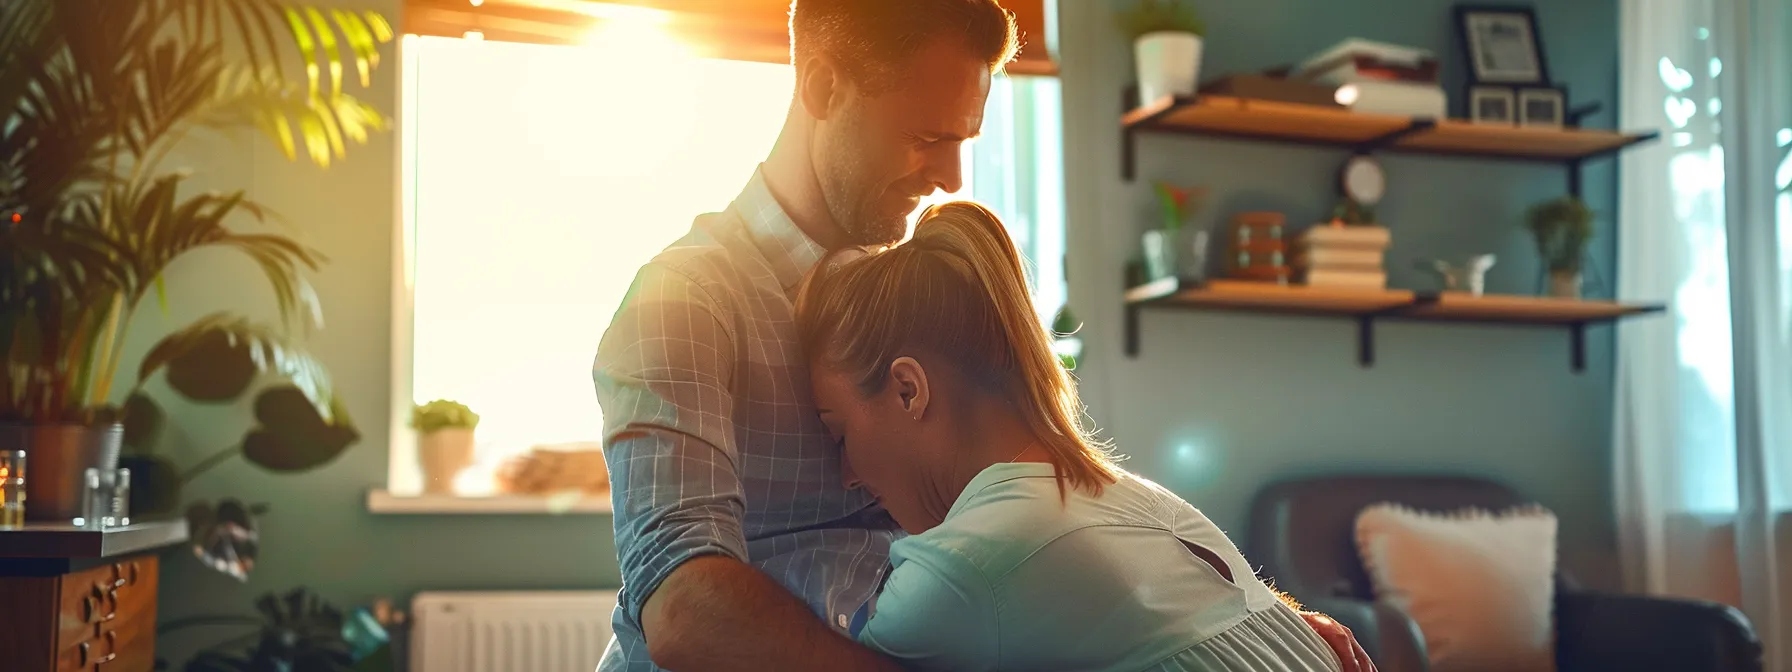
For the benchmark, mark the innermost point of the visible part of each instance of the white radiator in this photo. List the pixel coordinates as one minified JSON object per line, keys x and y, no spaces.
{"x":510,"y":631}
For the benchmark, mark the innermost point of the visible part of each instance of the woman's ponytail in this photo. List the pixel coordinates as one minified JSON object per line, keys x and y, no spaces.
{"x":958,"y":289}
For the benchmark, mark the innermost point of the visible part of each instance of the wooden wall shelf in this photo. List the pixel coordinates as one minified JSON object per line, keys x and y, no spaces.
{"x":1225,"y":116}
{"x":1367,"y":306}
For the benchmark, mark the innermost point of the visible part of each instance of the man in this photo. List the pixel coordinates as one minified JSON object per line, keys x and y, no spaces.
{"x":733,"y":530}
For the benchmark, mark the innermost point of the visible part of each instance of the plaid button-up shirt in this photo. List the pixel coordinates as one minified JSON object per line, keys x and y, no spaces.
{"x":711,"y":435}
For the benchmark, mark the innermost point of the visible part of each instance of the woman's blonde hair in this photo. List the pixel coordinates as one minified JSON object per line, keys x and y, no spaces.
{"x":955,"y":290}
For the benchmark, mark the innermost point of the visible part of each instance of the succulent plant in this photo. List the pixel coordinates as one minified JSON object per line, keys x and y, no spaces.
{"x":443,"y":414}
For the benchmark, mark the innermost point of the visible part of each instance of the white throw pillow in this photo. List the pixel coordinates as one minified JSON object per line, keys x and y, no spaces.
{"x":1480,"y":585}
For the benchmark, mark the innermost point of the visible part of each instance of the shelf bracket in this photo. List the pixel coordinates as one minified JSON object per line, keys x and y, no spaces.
{"x":1128,"y":154}
{"x":1365,"y":340}
{"x":1132,"y":330}
{"x":1128,"y":136}
{"x":1577,"y":344}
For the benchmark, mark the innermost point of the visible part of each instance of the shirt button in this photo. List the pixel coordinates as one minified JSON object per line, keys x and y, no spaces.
{"x":841,"y":619}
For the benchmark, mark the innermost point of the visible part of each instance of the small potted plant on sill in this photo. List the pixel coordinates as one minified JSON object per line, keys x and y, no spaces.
{"x":1562,"y":227}
{"x":444,"y":442}
{"x":1167,"y":39}
{"x":1176,"y":249}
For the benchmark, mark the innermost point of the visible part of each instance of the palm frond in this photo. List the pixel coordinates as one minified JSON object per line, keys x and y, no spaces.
{"x":95,"y":94}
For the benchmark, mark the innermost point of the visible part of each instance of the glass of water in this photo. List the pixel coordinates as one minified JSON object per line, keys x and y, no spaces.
{"x":108,"y":500}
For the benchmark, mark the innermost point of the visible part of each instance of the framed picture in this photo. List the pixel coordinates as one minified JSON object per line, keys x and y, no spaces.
{"x":1492,"y":105}
{"x":1541,"y":107}
{"x":1502,"y":45}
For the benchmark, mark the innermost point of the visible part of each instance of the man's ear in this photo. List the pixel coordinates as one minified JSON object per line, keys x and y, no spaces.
{"x":819,"y":86}
{"x":910,"y":381}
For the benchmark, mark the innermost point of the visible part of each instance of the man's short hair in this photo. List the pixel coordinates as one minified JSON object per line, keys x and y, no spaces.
{"x":873,"y":39}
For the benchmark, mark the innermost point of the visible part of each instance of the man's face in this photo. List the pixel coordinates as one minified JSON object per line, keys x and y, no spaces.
{"x":877,"y":156}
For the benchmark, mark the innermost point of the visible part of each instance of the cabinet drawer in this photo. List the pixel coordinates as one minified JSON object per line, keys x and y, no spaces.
{"x":107,"y":617}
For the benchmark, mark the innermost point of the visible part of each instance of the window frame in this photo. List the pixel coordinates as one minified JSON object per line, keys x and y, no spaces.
{"x":402,"y":487}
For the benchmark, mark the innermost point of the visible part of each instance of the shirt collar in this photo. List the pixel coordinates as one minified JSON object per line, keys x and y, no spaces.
{"x":789,"y":251}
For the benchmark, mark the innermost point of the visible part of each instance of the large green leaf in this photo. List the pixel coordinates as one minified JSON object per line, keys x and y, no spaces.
{"x":225,"y":537}
{"x":292,"y":436}
{"x":218,"y":356}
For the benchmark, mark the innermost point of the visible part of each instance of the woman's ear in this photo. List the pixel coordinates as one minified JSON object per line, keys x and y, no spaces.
{"x":910,"y":381}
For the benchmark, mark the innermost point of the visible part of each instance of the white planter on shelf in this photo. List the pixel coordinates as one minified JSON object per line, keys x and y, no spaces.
{"x":1169,"y":64}
{"x":443,"y":454}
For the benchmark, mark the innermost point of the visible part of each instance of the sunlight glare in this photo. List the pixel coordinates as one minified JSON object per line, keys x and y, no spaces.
{"x":636,"y":39}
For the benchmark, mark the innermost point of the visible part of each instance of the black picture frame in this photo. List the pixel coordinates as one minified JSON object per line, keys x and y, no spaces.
{"x":1541,"y":107}
{"x":1472,"y":23}
{"x":1492,"y":104}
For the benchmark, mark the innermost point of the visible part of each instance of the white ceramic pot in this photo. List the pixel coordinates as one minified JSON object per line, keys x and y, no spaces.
{"x":443,"y":454}
{"x":1169,"y":64}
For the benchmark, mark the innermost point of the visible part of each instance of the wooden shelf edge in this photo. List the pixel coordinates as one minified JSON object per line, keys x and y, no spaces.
{"x":1393,"y":303}
{"x":1408,"y":135}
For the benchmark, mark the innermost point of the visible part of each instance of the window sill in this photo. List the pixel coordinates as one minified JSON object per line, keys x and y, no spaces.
{"x":385,"y":502}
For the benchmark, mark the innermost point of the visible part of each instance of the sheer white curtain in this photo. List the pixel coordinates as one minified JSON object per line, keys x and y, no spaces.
{"x":1703,"y":419}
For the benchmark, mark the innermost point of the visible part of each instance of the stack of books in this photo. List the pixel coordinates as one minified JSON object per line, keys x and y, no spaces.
{"x":1379,"y":78}
{"x":1344,"y":257}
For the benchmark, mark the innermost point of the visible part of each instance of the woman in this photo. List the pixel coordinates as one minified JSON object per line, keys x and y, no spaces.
{"x":1031,"y":548}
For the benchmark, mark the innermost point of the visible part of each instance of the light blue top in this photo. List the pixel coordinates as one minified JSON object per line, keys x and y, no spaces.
{"x":1015,"y":579}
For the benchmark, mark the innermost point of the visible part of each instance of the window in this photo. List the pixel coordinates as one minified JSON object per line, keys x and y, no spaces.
{"x":539,"y":178}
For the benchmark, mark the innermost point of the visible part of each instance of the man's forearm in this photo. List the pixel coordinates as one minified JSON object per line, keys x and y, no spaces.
{"x":717,"y":613}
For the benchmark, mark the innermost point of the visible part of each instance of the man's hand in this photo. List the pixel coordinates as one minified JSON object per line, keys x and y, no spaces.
{"x":1343,"y":643}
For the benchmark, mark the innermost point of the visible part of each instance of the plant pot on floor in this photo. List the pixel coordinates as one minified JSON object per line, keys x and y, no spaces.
{"x":57,"y":458}
{"x":443,"y":454}
{"x":1169,"y":64}
{"x":1564,"y":284}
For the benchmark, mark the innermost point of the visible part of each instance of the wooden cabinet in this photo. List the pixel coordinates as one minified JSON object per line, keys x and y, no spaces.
{"x":80,"y":612}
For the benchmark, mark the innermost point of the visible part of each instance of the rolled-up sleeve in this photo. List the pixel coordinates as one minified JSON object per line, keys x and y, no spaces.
{"x":936,"y":612}
{"x":662,"y":376}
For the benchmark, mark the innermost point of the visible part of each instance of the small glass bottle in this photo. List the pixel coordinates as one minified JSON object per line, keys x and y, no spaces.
{"x":12,"y":489}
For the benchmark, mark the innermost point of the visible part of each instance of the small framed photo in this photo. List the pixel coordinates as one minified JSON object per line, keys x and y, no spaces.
{"x":1501,"y":44}
{"x":1541,"y":107}
{"x":1492,"y":105}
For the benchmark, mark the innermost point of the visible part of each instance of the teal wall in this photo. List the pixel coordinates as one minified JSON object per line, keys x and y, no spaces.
{"x":1215,"y":407}
{"x":1219,"y":404}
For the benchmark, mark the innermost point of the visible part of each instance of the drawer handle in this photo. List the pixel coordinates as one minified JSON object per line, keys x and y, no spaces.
{"x":83,"y":654}
{"x":90,"y":608}
{"x":111,"y":605}
{"x":134,"y":567}
{"x":111,"y":643}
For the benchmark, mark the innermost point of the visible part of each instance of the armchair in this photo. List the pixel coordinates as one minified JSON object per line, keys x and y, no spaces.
{"x":1303,"y":533}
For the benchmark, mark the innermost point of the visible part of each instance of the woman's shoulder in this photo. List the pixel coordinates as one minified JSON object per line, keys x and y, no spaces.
{"x":1011,"y":511}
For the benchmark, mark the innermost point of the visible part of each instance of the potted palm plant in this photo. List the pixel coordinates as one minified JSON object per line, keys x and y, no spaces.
{"x":1562,"y":228}
{"x":1167,"y":40}
{"x":95,"y":94}
{"x":444,"y":442}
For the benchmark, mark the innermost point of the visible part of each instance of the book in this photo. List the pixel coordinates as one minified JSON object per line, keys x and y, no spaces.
{"x":1339,"y":257}
{"x":1357,"y":237}
{"x":1324,"y":277}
